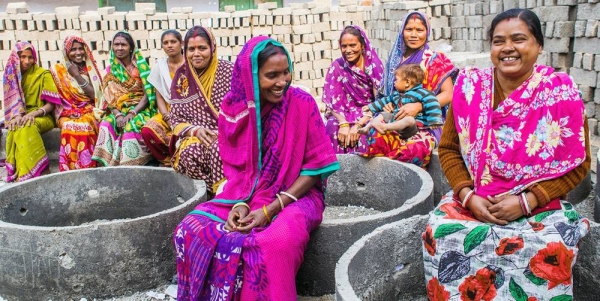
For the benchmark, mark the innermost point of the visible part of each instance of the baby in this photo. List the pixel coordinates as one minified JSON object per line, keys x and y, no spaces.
{"x":408,"y":90}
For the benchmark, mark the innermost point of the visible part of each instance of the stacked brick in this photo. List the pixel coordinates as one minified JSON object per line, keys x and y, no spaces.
{"x":310,"y":31}
{"x":383,"y":22}
{"x":586,"y":58}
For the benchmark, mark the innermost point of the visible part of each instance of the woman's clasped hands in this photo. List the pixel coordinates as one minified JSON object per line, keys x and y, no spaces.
{"x":498,"y":210}
{"x":241,"y":219}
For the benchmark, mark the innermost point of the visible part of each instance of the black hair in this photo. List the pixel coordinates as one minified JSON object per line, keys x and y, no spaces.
{"x":268,"y":51}
{"x":355,"y":32}
{"x":127,"y":38}
{"x":527,"y":16}
{"x":412,"y":72}
{"x":174,"y":33}
{"x":197,"y":31}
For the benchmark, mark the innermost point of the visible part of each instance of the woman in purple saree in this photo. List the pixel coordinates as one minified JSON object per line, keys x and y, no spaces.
{"x":351,"y":83}
{"x":248,"y":242}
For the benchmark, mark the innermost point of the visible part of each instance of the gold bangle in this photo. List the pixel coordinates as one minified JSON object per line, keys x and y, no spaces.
{"x":266,"y":213}
{"x":280,"y":201}
{"x":344,"y":125}
{"x":240,"y":204}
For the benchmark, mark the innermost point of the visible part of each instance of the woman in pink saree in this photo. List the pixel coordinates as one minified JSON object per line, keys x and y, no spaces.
{"x":515,"y":143}
{"x":248,"y":242}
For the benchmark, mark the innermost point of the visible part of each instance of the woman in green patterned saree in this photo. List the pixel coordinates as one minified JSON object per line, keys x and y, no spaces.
{"x":130,"y":101}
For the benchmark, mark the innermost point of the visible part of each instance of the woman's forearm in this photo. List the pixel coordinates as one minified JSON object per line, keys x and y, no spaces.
{"x":86,"y":86}
{"x":446,"y":91}
{"x":161,"y":104}
{"x":142,"y":104}
{"x":298,"y":189}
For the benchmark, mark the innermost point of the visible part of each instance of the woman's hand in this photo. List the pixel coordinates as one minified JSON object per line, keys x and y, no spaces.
{"x":353,"y":136}
{"x":480,"y":208}
{"x":255,"y":219}
{"x":73,"y":69}
{"x":409,"y":109}
{"x":233,"y":220}
{"x":28,"y":119}
{"x":122,"y":120}
{"x":206,"y":136}
{"x":506,"y":207}
{"x":343,"y":136}
{"x":13,"y":124}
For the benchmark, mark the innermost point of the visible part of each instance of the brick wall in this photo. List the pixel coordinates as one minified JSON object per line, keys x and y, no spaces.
{"x":310,"y":32}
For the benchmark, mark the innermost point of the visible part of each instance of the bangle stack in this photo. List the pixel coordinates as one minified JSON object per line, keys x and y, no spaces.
{"x":132,"y":112}
{"x":524,"y":204}
{"x":468,"y":198}
{"x":43,"y":111}
{"x":289,"y":195}
{"x":119,"y":115}
{"x":240,"y":204}
{"x":85,"y":84}
{"x":280,"y":201}
{"x":266,"y":213}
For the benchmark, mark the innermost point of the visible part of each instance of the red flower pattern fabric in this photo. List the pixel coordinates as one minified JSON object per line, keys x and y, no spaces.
{"x":479,"y":287}
{"x":429,"y":241}
{"x":509,"y":246}
{"x":436,"y":291}
{"x":553,"y":263}
{"x":529,"y":259}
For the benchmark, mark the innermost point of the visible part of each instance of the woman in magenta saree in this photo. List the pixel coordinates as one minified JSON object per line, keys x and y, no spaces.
{"x":248,"y":242}
{"x":351,"y":83}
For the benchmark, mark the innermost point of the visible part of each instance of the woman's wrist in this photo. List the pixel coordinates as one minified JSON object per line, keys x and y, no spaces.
{"x":532,"y":200}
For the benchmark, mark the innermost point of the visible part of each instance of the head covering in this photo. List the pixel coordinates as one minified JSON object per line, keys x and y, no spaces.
{"x":14,"y":96}
{"x":206,"y":79}
{"x":399,"y":48}
{"x":347,"y":87}
{"x":535,"y":134}
{"x":14,"y":100}
{"x":67,"y":86}
{"x":118,"y":70}
{"x":264,"y":150}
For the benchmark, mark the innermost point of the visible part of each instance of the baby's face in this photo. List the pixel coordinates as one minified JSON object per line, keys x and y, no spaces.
{"x":402,"y":84}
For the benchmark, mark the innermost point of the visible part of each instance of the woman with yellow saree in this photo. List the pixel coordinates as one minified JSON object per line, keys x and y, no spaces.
{"x":79,"y":84}
{"x":29,"y":98}
{"x":131,"y":102}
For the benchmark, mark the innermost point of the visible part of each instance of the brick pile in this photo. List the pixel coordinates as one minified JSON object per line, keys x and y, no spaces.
{"x":310,"y":31}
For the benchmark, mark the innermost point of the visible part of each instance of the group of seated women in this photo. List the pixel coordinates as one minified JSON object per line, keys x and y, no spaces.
{"x":514,"y":142}
{"x":127,"y":117}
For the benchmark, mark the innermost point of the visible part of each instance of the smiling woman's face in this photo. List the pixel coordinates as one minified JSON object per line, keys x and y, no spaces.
{"x":415,"y":33}
{"x":514,"y":49}
{"x":273,"y":77}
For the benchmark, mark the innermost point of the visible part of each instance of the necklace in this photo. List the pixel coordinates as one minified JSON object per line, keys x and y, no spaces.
{"x":82,"y":68}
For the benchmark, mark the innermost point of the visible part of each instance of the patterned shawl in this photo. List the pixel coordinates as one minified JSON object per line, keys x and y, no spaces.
{"x":14,"y":96}
{"x":347,"y":88}
{"x":200,"y":86}
{"x":265,"y":150}
{"x":436,"y":65}
{"x":67,"y":85}
{"x":119,"y":72}
{"x":535,"y":134}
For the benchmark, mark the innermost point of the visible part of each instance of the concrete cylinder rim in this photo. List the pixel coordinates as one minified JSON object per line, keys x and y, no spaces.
{"x":426,"y":190}
{"x":342,"y":282}
{"x":200,"y":186}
